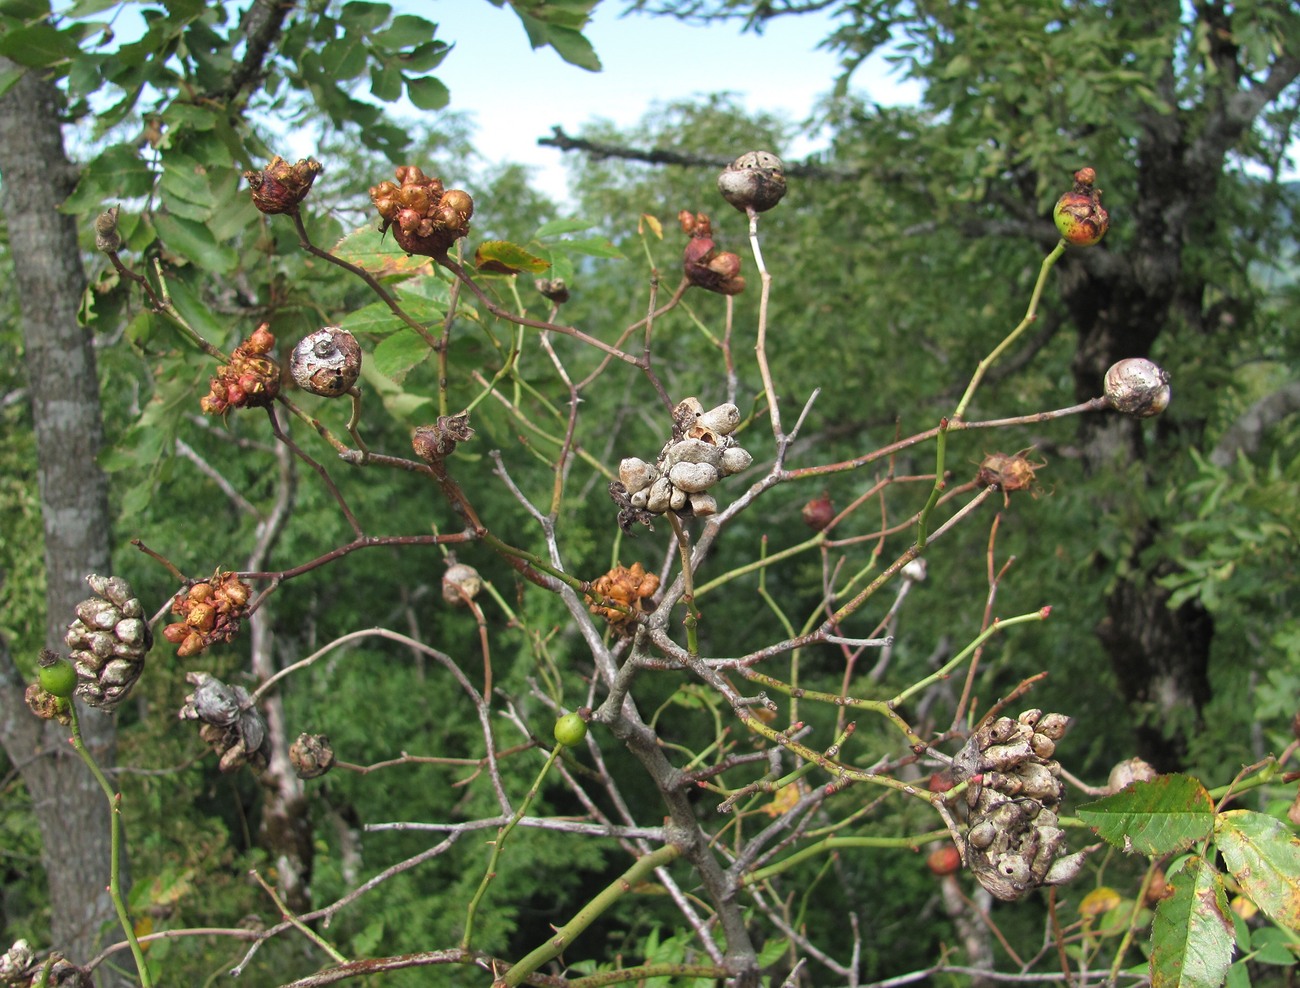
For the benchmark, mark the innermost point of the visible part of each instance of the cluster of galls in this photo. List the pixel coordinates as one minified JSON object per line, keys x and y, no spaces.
{"x":229,"y":722}
{"x":426,"y":219}
{"x":21,"y":968}
{"x":311,"y":756}
{"x":210,"y":612}
{"x":1013,"y":842}
{"x":109,"y":639}
{"x":623,"y":585}
{"x":434,"y":443}
{"x":1010,"y":471}
{"x":701,"y":451}
{"x":702,"y":263}
{"x":280,"y":186}
{"x":251,"y":378}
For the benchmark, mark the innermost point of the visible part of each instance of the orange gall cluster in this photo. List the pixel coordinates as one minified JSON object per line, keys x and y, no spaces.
{"x":703,"y":264}
{"x":623,"y":585}
{"x":210,"y":613}
{"x":250,"y":380}
{"x":425,"y":218}
{"x":280,"y":186}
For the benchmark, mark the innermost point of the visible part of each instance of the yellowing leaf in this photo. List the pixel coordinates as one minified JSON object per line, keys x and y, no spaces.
{"x":652,"y":223}
{"x":1099,"y":901}
{"x":1264,"y":857}
{"x":784,"y":801}
{"x":503,"y":257}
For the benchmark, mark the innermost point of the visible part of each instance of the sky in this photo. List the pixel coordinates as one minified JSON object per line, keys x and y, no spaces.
{"x":781,"y":71}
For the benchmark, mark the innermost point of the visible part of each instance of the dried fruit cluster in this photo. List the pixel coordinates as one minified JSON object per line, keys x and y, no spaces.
{"x":702,"y":263}
{"x":231,"y":725}
{"x":1010,"y":471}
{"x":251,"y":379}
{"x":426,"y":219}
{"x":109,"y":639}
{"x":625,"y":585}
{"x":210,"y":612}
{"x":701,"y":451}
{"x":1013,"y":843}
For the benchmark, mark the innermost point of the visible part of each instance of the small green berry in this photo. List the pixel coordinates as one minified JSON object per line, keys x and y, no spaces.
{"x":58,"y":678}
{"x":570,"y":730}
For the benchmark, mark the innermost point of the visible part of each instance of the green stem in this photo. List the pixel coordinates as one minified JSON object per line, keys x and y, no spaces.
{"x":834,"y":843}
{"x":500,"y":842}
{"x":640,"y":974}
{"x":942,"y":673}
{"x":1031,"y":313}
{"x":115,"y":849}
{"x":588,"y":914}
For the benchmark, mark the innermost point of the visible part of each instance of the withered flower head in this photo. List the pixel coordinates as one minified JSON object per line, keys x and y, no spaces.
{"x":280,"y":186}
{"x":623,"y":585}
{"x":703,"y":264}
{"x":438,"y":441}
{"x":1010,"y":471}
{"x":425,"y":218}
{"x":250,"y":380}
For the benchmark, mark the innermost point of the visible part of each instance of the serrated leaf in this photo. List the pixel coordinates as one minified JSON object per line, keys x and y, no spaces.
{"x":396,"y":355}
{"x":1167,"y":814}
{"x":503,"y":257}
{"x":1191,"y":935}
{"x":1263,"y":855}
{"x":427,"y":92}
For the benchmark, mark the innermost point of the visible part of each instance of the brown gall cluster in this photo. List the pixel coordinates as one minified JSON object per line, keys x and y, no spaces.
{"x":425,"y":218}
{"x":434,"y":443}
{"x":21,"y":968}
{"x":1013,"y":840}
{"x":701,"y":452}
{"x":210,"y":613}
{"x":108,"y":640}
{"x":1012,"y":472}
{"x":626,"y":586}
{"x":250,"y":380}
{"x":280,"y":186}
{"x":1078,"y":214}
{"x":703,"y":264}
{"x":229,"y":723}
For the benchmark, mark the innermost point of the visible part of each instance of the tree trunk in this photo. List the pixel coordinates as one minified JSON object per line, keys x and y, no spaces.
{"x":64,"y":391}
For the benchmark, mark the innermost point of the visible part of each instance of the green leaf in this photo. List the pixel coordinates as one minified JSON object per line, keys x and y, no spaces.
{"x":1191,"y":935}
{"x":556,"y":227}
{"x":385,"y":83}
{"x":593,"y":247}
{"x":406,"y":31}
{"x":380,"y":255}
{"x":39,"y":46}
{"x":1263,"y":855}
{"x":395,"y":356}
{"x":427,"y":92}
{"x":9,"y":77}
{"x":424,"y":58}
{"x":377,"y":319}
{"x":1167,"y":814}
{"x":573,"y":47}
{"x":118,"y":173}
{"x":503,"y":257}
{"x":358,"y":16}
{"x":1275,"y":946}
{"x":188,"y":240}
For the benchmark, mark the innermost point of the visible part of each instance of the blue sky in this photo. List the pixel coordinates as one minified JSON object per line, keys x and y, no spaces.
{"x":781,"y":70}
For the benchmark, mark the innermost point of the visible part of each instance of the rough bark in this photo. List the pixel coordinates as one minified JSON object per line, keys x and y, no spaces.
{"x":64,"y":392}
